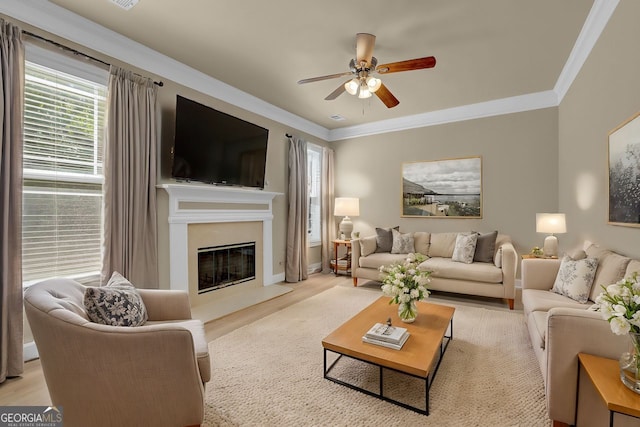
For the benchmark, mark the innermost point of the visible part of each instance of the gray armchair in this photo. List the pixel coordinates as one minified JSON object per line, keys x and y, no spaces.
{"x":150,"y":375}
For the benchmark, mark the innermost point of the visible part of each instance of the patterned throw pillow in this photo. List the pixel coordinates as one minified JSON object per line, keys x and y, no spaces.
{"x":465,"y":247}
{"x":575,"y":278}
{"x":118,"y":303}
{"x":402,"y":243}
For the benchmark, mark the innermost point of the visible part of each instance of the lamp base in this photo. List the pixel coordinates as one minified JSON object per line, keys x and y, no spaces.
{"x":346,"y":227}
{"x":550,"y":248}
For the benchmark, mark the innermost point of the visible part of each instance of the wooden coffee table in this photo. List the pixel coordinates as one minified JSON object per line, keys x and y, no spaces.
{"x":420,"y":356}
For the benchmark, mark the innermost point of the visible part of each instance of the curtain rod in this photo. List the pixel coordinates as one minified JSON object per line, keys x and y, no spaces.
{"x":77,"y":52}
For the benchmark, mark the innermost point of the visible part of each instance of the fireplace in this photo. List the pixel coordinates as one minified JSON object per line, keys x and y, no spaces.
{"x":225,"y":265}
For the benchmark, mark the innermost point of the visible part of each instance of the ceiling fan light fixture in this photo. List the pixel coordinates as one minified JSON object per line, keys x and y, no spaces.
{"x":373,"y":84}
{"x":352,"y":86}
{"x":364,"y":92}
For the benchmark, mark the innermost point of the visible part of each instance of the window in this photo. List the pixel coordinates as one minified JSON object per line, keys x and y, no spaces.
{"x":314,"y":174}
{"x":62,"y":191}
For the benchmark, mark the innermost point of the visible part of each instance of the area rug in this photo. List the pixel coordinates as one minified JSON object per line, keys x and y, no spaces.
{"x":269,"y":373}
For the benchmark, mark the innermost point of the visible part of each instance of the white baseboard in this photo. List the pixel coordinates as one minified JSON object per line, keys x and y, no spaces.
{"x":276,"y":278}
{"x":30,"y":351}
{"x":314,"y":268}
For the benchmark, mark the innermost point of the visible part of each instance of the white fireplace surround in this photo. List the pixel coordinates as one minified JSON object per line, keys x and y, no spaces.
{"x":234,"y":205}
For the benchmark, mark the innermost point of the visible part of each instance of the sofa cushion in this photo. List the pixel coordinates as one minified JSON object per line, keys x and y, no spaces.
{"x":465,"y":247}
{"x":384,"y":239}
{"x":543,"y":300}
{"x":632,"y":267}
{"x":575,"y":278}
{"x":402,"y":243}
{"x":116,"y":304}
{"x":446,"y":268}
{"x":442,"y":244}
{"x":377,"y":260}
{"x":611,"y":268}
{"x":421,"y":242}
{"x":539,"y":319}
{"x":367,"y":245}
{"x":485,"y":247}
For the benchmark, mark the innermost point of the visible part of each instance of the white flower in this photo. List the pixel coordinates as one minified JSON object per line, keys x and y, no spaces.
{"x":619,"y":325}
{"x":414,"y":293}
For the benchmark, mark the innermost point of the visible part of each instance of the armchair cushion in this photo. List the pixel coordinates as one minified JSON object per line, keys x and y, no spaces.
{"x":116,"y":304}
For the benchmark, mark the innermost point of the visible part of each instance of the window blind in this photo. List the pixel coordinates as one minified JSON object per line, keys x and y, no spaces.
{"x":62,"y":191}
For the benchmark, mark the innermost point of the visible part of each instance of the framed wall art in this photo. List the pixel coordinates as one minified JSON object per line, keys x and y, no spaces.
{"x":450,"y":188}
{"x":624,"y":173}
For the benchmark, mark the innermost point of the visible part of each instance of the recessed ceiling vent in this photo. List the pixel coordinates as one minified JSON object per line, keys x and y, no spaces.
{"x":125,"y":4}
{"x":337,"y":118}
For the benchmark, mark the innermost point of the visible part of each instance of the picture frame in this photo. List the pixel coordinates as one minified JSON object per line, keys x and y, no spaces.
{"x":448,"y":188}
{"x":624,"y":173}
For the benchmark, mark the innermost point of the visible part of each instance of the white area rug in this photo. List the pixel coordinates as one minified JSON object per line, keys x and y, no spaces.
{"x":269,"y":373}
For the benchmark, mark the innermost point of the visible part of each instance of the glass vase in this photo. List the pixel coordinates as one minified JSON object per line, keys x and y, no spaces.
{"x":407,"y":312}
{"x":630,"y":364}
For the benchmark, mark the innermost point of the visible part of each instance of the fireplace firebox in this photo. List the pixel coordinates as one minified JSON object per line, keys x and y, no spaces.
{"x":225,"y":265}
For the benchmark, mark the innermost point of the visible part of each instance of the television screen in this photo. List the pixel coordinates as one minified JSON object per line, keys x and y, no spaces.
{"x":216,"y":148}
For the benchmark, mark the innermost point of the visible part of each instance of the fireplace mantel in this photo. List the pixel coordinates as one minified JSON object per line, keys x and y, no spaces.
{"x":193,"y":203}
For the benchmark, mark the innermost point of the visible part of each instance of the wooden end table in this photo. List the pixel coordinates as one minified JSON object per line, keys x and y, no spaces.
{"x":345,"y":267}
{"x":604,"y":374}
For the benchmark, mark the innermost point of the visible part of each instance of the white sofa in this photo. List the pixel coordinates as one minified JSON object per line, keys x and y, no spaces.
{"x":560,"y":328}
{"x":493,"y":278}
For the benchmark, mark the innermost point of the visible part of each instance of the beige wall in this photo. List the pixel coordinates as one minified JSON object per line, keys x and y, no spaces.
{"x":605,"y":94}
{"x":519,"y":164}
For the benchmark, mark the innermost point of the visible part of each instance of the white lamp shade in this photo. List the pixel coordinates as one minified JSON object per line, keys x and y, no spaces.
{"x":347,"y":206}
{"x":553,"y":223}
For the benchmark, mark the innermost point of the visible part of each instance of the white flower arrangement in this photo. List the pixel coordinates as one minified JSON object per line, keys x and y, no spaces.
{"x":404,"y":281}
{"x":619,"y":304}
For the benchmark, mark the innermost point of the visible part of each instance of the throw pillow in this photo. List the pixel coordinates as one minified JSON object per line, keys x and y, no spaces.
{"x":402,"y":243}
{"x":465,"y":247}
{"x":118,"y":303}
{"x":485,"y":247}
{"x":367,"y":245}
{"x":384,"y":239}
{"x":575,"y":278}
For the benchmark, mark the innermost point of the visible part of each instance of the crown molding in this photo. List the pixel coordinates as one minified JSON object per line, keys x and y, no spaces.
{"x":63,"y":23}
{"x":497,"y":107}
{"x":595,"y":23}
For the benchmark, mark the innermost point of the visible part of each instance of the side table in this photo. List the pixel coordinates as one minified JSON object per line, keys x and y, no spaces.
{"x":343,"y":263}
{"x":604,"y":374}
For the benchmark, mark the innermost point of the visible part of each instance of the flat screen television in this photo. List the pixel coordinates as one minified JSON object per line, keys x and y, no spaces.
{"x":215,"y":148}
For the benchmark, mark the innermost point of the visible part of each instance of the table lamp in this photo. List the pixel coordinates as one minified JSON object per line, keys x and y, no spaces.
{"x":550,"y":223}
{"x":346,"y":207}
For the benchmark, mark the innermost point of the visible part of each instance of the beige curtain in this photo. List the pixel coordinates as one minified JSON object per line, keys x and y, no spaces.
{"x":11,"y":112}
{"x":296,"y":255}
{"x":326,"y":215}
{"x":130,"y":236}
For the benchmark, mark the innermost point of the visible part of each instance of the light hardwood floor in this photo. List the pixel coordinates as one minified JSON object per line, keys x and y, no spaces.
{"x":30,"y":388}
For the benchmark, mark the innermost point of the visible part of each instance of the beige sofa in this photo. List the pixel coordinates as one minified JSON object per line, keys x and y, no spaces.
{"x":150,"y":375}
{"x":560,"y":328}
{"x":495,"y":278}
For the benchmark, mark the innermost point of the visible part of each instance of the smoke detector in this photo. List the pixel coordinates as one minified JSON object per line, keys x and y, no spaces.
{"x":125,"y":4}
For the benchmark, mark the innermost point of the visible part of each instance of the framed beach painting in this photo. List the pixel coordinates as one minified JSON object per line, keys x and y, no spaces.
{"x":624,"y":173}
{"x":450,"y":188}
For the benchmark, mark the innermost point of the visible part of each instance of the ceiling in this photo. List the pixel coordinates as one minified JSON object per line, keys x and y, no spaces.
{"x":486,"y":50}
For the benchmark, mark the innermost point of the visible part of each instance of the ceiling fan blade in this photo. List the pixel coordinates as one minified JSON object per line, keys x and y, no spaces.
{"x":386,"y":97}
{"x":327,"y":77}
{"x":408,"y":65}
{"x":364,"y":47}
{"x":336,"y":93}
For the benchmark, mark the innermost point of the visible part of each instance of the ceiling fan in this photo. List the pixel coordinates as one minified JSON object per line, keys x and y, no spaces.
{"x":361,"y":69}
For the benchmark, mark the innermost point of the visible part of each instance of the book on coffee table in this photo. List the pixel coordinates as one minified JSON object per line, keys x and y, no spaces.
{"x":395,"y":346}
{"x":387,"y":333}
